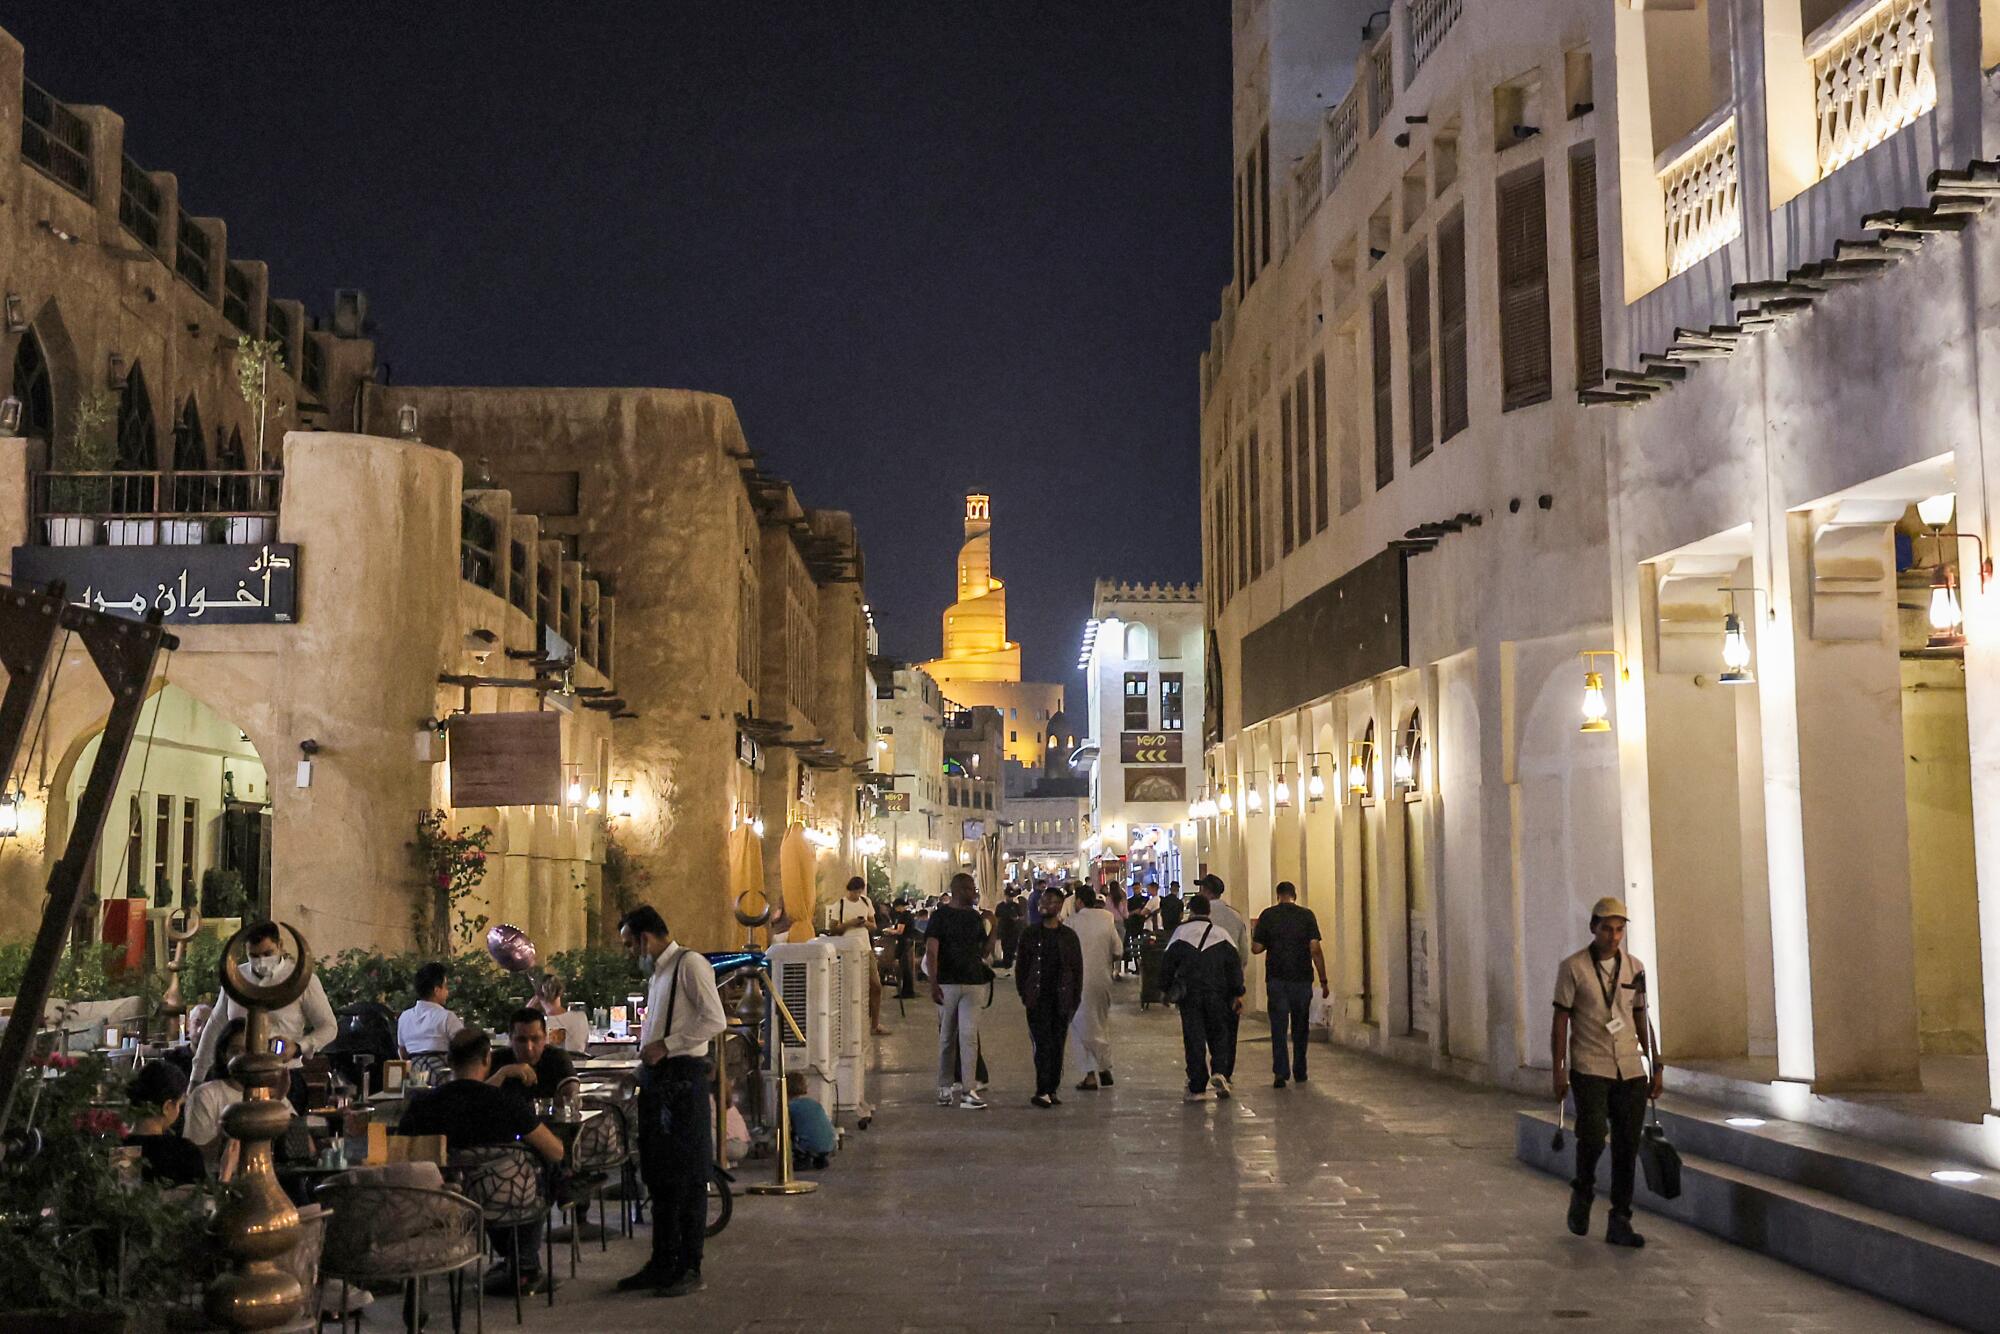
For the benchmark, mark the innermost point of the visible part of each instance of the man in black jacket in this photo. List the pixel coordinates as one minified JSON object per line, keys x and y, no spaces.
{"x":1203,"y":961}
{"x":1048,"y":971}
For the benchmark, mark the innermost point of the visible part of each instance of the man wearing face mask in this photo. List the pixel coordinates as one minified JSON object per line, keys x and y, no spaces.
{"x":306,"y":1025}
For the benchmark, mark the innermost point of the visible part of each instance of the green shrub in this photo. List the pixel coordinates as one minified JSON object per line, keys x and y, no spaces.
{"x":595,"y":977}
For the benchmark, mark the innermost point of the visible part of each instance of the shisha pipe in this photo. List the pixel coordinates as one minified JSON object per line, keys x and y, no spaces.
{"x":258,"y":1226}
{"x":172,"y":1004}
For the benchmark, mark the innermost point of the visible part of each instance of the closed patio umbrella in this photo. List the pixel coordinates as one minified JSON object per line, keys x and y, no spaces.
{"x":797,"y":875}
{"x":746,"y":875}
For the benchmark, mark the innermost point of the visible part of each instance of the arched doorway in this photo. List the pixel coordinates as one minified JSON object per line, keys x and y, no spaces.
{"x":138,"y":445}
{"x":193,"y":799}
{"x":1409,"y":767}
{"x":34,"y":387}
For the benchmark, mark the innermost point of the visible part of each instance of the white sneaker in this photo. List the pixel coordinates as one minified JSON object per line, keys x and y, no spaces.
{"x":1199,"y":1095}
{"x":1220,"y":1083}
{"x":972,"y":1102}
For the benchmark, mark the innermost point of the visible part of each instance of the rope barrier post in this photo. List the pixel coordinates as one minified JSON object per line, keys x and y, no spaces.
{"x":784,"y":1183}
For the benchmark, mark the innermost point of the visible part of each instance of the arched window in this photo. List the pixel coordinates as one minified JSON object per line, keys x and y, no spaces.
{"x":138,"y":444}
{"x":1138,"y":644}
{"x":190,"y":450}
{"x":229,"y":455}
{"x":32,"y":387}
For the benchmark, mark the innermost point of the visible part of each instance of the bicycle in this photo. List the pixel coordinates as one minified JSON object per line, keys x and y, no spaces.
{"x":721,"y":1200}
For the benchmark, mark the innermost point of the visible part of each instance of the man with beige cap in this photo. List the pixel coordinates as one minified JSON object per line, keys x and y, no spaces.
{"x":1601,"y":1046}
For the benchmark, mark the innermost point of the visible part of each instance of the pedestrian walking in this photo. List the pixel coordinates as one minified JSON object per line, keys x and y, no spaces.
{"x":955,"y":961}
{"x":1202,"y":967}
{"x":1290,"y":935}
{"x":1600,"y":1045}
{"x":1049,"y":974}
{"x":1102,"y":945}
{"x":1227,"y":919}
{"x":1172,"y":910}
{"x":1012,"y":917}
{"x":683,"y":1013}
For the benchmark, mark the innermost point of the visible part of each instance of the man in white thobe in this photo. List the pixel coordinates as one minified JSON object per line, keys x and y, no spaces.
{"x":1090,"y":1031}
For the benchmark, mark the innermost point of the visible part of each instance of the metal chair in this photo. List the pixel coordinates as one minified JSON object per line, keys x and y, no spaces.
{"x":624,"y":1102}
{"x":377,"y":1235}
{"x":508,"y":1184}
{"x":601,"y":1147}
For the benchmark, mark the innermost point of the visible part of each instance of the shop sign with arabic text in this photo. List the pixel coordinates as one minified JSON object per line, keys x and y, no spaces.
{"x":195,"y":585}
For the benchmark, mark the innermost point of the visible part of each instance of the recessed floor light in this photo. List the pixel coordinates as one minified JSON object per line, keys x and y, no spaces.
{"x":1955,"y":1176}
{"x":1744,"y":1122}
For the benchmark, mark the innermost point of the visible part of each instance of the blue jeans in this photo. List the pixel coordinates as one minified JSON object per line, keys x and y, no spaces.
{"x":1290,"y":1004}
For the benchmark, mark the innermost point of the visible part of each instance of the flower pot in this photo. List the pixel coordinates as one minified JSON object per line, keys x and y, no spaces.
{"x":71,"y":532}
{"x":248,"y":532}
{"x":183,"y":532}
{"x":133,"y":532}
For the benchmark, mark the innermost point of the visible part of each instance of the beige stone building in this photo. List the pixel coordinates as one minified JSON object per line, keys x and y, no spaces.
{"x":379,"y":599}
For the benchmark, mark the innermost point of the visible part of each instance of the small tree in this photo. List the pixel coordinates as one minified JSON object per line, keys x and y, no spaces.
{"x":254,"y":359}
{"x":92,"y":447}
{"x":453,"y":865}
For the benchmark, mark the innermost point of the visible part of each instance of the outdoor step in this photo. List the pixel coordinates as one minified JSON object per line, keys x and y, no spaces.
{"x":1918,"y":1266}
{"x":1870,"y":1174}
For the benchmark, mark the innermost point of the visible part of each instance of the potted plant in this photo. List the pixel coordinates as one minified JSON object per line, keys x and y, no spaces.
{"x":222,"y":893}
{"x":76,"y":501}
{"x":255,"y":359}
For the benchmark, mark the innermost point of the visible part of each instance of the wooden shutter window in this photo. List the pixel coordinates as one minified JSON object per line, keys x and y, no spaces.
{"x":1524,"y":290}
{"x":1242,"y":515}
{"x":1417,"y":321}
{"x":1302,"y":467}
{"x":1453,"y":410}
{"x":1583,"y":244}
{"x":1385,"y":427}
{"x":1240,"y":274}
{"x":1287,"y":478}
{"x":1264,"y":194}
{"x":1319,"y":443}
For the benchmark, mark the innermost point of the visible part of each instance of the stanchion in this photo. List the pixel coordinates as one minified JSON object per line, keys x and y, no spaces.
{"x":785,"y":1184}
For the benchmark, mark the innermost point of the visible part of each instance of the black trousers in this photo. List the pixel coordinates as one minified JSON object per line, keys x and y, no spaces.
{"x":1010,"y":941}
{"x":1048,"y":1029}
{"x":1208,"y":1037}
{"x":1290,"y":1004}
{"x":676,"y":1155}
{"x":1225,"y":1065}
{"x":1619,"y":1107}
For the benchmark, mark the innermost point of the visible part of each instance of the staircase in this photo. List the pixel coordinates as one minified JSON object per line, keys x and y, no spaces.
{"x":1848,"y":1209}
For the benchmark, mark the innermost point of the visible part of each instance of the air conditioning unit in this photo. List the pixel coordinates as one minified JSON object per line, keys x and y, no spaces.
{"x":852,"y":960}
{"x":802,"y":973}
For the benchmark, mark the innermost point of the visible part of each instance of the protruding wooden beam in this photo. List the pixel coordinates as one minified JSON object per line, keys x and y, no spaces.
{"x":1767,"y":288}
{"x":1978,"y":177}
{"x":1660,"y":368}
{"x":1915,"y":220}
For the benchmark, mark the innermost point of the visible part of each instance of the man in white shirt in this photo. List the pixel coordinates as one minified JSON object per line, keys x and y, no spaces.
{"x":425,"y":1030}
{"x":306,"y":1025}
{"x":208,"y":1100}
{"x":683,"y":1013}
{"x":856,"y":912}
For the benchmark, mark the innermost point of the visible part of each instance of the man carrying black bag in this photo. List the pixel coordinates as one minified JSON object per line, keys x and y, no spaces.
{"x":676,"y":1150}
{"x":1600,"y":1044}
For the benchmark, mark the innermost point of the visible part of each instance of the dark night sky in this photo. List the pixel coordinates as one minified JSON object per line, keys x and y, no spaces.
{"x":923,"y":246}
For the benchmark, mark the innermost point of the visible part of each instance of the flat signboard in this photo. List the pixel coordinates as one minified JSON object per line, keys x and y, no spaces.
{"x":506,"y":759}
{"x":193,"y":585}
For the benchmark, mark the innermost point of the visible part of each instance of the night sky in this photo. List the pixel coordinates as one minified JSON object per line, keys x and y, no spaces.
{"x":923,"y":246}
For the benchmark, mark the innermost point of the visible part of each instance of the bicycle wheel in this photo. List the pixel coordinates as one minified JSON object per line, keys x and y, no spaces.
{"x":721,"y":1201}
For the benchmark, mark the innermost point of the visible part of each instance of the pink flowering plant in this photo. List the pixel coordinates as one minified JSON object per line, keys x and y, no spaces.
{"x":453,"y":865}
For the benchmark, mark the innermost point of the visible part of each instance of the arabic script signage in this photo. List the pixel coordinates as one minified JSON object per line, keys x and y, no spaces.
{"x":198,"y":585}
{"x":1149,"y":747}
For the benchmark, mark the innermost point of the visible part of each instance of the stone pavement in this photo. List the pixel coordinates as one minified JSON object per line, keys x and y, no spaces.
{"x":1371,"y":1198}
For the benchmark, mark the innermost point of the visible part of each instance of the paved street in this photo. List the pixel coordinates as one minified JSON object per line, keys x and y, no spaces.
{"x":1372,"y":1198}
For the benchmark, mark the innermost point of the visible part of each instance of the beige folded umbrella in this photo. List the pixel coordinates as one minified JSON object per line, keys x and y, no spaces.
{"x":746,"y":875}
{"x":798,"y":873}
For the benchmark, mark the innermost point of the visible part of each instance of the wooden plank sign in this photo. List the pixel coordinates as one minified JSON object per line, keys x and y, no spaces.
{"x":506,"y":759}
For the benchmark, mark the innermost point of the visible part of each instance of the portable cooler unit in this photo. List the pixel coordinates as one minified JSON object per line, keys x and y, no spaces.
{"x":851,"y":962}
{"x":802,"y":973}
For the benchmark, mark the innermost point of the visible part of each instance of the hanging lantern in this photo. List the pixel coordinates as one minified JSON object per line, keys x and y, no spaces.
{"x":1315,"y":786}
{"x":1596,"y":714}
{"x":1947,"y":618}
{"x":1735,"y":653}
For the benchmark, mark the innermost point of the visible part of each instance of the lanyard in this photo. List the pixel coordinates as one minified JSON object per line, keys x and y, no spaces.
{"x":1608,"y":989}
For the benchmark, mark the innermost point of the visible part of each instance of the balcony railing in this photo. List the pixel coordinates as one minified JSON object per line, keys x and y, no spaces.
{"x":1430,"y":20}
{"x":1872,"y":75}
{"x":519,"y":586}
{"x":478,"y":547}
{"x":1306,"y":188}
{"x":1343,"y":125}
{"x":139,"y":204}
{"x":1703,"y":214}
{"x":192,"y":255}
{"x":55,"y":139}
{"x":1381,"y":82}
{"x":156,"y":495}
{"x":236,"y":297}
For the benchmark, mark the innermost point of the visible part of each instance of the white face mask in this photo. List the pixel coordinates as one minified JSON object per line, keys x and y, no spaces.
{"x":262,"y":968}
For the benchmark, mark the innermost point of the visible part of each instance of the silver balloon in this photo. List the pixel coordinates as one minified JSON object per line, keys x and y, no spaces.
{"x":511,"y":948}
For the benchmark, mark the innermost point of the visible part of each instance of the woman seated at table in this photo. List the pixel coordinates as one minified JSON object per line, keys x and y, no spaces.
{"x":212,"y":1098}
{"x":472,"y":1114}
{"x":568,"y":1029}
{"x":156,"y":1094}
